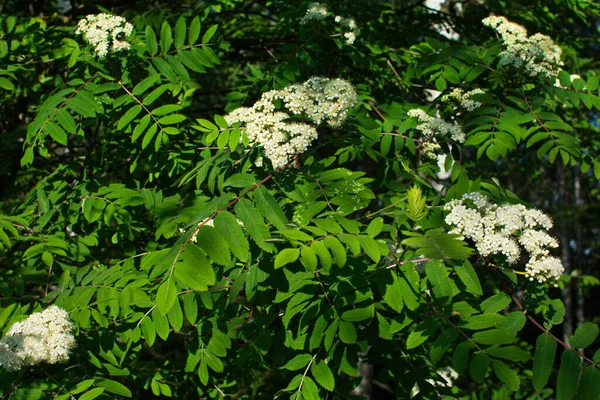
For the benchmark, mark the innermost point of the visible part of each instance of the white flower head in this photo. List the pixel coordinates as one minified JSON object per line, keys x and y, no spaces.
{"x":537,"y":55}
{"x":432,"y":126}
{"x":317,"y":99}
{"x":105,"y":32}
{"x":506,"y":230}
{"x":42,"y":337}
{"x":316,"y":12}
{"x":464,"y":99}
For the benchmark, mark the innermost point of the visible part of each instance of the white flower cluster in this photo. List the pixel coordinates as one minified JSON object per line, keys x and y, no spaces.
{"x":350,"y":24}
{"x":431,"y":126}
{"x":505,"y":230}
{"x":105,"y":32}
{"x":318,"y":99}
{"x":42,"y":337}
{"x":315,"y":11}
{"x":537,"y":54}
{"x":464,"y":99}
{"x":318,"y":12}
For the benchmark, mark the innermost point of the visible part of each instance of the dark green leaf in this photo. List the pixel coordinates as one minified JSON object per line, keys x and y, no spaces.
{"x":543,"y":360}
{"x":568,"y":375}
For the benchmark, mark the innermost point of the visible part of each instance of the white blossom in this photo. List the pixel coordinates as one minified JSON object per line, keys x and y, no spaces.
{"x":105,"y":32}
{"x":432,"y":126}
{"x":506,"y":230}
{"x":315,"y":11}
{"x":537,"y":54}
{"x":42,"y":337}
{"x":318,"y":99}
{"x":464,"y":99}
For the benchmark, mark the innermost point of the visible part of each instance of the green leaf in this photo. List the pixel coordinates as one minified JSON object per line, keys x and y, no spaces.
{"x":6,"y":84}
{"x":375,"y":227}
{"x":166,"y":37}
{"x":113,"y":387}
{"x":296,"y":235}
{"x":145,"y":84}
{"x":468,"y":276}
{"x":286,"y":256}
{"x":166,"y":296}
{"x":358,"y":314}
{"x":161,"y":324}
{"x":226,"y":224}
{"x":148,"y":330}
{"x":166,"y":109}
{"x":66,"y":121}
{"x":421,"y":333}
{"x":543,"y":360}
{"x":56,"y":133}
{"x":254,"y":225}
{"x":568,"y":375}
{"x":584,"y":336}
{"x":438,"y":245}
{"x":461,"y":355}
{"x":93,"y":208}
{"x":129,"y":116}
{"x":440,"y":84}
{"x":441,"y":344}
{"x":589,"y":387}
{"x":555,"y":313}
{"x":370,"y":247}
{"x":240,"y":181}
{"x":194,"y":31}
{"x":479,"y":366}
{"x":440,"y":282}
{"x":338,"y":250}
{"x":496,"y":303}
{"x":151,"y":41}
{"x":171,"y":119}
{"x":322,"y":374}
{"x":393,"y":295}
{"x":310,"y":391}
{"x":92,"y":394}
{"x":298,"y":362}
{"x":482,"y":321}
{"x":308,"y":258}
{"x":324,"y":255}
{"x":269,"y":207}
{"x":494,"y":336}
{"x":506,"y":375}
{"x":209,"y":34}
{"x":194,"y":270}
{"x":180,"y":31}
{"x":512,"y":353}
{"x":213,"y":244}
{"x":347,"y":332}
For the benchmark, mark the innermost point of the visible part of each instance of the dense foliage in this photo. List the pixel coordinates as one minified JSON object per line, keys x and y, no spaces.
{"x":237,"y":199}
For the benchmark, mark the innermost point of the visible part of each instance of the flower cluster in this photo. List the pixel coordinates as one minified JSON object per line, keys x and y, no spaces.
{"x":318,"y":12}
{"x":315,"y":11}
{"x":105,"y":32}
{"x":349,"y":24}
{"x":42,"y":337}
{"x":318,"y":99}
{"x":537,"y":54}
{"x":506,"y":230}
{"x":432,"y":126}
{"x":464,"y":99}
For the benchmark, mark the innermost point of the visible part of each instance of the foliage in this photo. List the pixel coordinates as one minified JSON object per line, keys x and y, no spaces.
{"x":192,"y":269}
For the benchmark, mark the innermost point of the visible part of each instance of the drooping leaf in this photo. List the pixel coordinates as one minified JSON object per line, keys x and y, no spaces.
{"x":543,"y":360}
{"x":322,"y":374}
{"x":568,"y":375}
